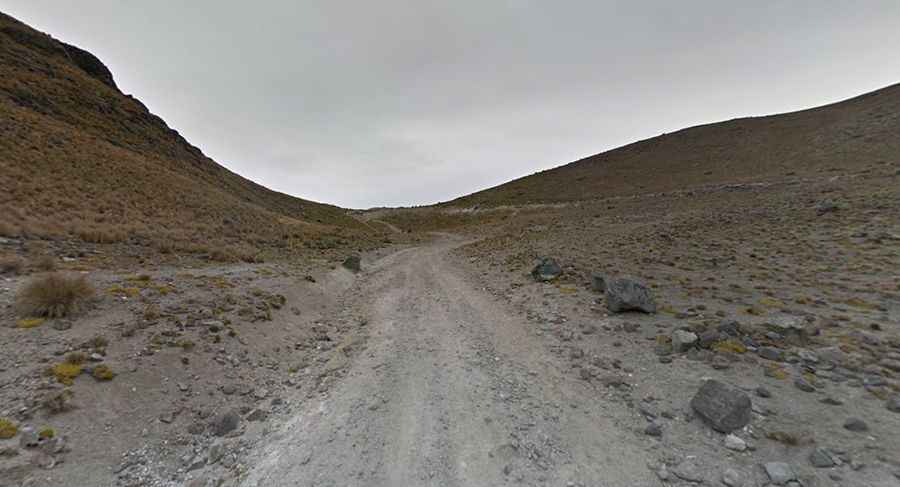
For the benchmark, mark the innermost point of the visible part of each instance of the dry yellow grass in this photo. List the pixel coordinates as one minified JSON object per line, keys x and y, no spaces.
{"x":83,"y":161}
{"x":54,"y":295}
{"x":11,"y":265}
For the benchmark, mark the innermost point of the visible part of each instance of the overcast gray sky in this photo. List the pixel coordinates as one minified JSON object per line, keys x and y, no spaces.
{"x":412,"y":102}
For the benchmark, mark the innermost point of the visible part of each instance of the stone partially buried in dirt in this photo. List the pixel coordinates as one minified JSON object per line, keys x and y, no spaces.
{"x":688,"y":470}
{"x":623,"y":294}
{"x":821,"y":458}
{"x":893,"y":404}
{"x":682,"y":341}
{"x":546,"y":270}
{"x":225,"y":423}
{"x":780,"y":473}
{"x":724,"y":407}
{"x":856,"y":424}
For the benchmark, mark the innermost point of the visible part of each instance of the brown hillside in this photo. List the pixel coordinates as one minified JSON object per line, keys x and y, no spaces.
{"x":846,"y":136}
{"x":80,"y":158}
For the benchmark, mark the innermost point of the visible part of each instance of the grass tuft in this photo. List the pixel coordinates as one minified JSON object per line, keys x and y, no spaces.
{"x":54,"y":295}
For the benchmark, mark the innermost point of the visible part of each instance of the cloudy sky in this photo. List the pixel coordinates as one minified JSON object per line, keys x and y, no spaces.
{"x":409,"y":102}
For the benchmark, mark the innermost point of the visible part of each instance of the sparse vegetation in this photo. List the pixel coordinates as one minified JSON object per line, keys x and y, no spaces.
{"x":45,"y":263}
{"x":76,"y":358}
{"x":57,"y":402}
{"x":54,"y":295}
{"x":103,"y":373}
{"x":30,"y":322}
{"x":8,"y":429}
{"x":11,"y":265}
{"x":65,"y":372}
{"x":120,"y":176}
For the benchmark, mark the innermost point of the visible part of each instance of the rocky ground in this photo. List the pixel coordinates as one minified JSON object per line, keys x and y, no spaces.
{"x":170,"y":371}
{"x":738,"y":335}
{"x":788,"y":292}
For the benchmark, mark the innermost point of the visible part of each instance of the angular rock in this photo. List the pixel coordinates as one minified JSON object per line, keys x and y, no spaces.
{"x":856,"y":424}
{"x":729,"y":327}
{"x":682,"y":341}
{"x":893,"y":404}
{"x":724,"y":407}
{"x":763,"y":392}
{"x":653,"y":429}
{"x":216,"y":452}
{"x":821,"y":458}
{"x":733,"y":442}
{"x":832,"y":355}
{"x":546,"y":270}
{"x":780,"y":473}
{"x":352,"y":263}
{"x":803,"y":385}
{"x":623,"y":294}
{"x":771,"y":353}
{"x":688,"y":470}
{"x":257,"y":415}
{"x":788,"y":326}
{"x":598,"y":283}
{"x":225,"y":423}
{"x":709,"y":337}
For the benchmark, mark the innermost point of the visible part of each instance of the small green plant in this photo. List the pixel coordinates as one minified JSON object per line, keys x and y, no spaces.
{"x":103,"y":373}
{"x":65,"y":372}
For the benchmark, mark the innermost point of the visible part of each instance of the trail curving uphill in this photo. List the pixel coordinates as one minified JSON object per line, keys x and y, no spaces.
{"x":450,"y":390}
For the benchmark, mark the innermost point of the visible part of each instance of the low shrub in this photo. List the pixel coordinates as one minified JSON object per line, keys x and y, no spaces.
{"x":54,"y":295}
{"x":8,"y":429}
{"x":57,"y":402}
{"x":45,"y":263}
{"x":11,"y":265}
{"x":103,"y":373}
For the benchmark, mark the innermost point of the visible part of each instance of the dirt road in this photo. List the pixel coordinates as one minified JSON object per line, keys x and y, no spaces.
{"x":451,"y":389}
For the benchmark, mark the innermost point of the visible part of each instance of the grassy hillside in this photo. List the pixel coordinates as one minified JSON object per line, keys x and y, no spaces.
{"x":848,"y":136}
{"x":79,"y":159}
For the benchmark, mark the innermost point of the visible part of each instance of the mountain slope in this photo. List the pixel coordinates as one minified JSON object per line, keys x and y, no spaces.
{"x":81,"y":158}
{"x":845,"y":136}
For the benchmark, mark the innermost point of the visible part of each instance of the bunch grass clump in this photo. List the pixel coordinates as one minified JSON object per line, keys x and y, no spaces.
{"x":54,"y":295}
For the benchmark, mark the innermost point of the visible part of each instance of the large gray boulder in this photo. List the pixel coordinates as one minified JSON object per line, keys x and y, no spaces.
{"x":546,"y":270}
{"x":623,"y":294}
{"x":725,"y":408}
